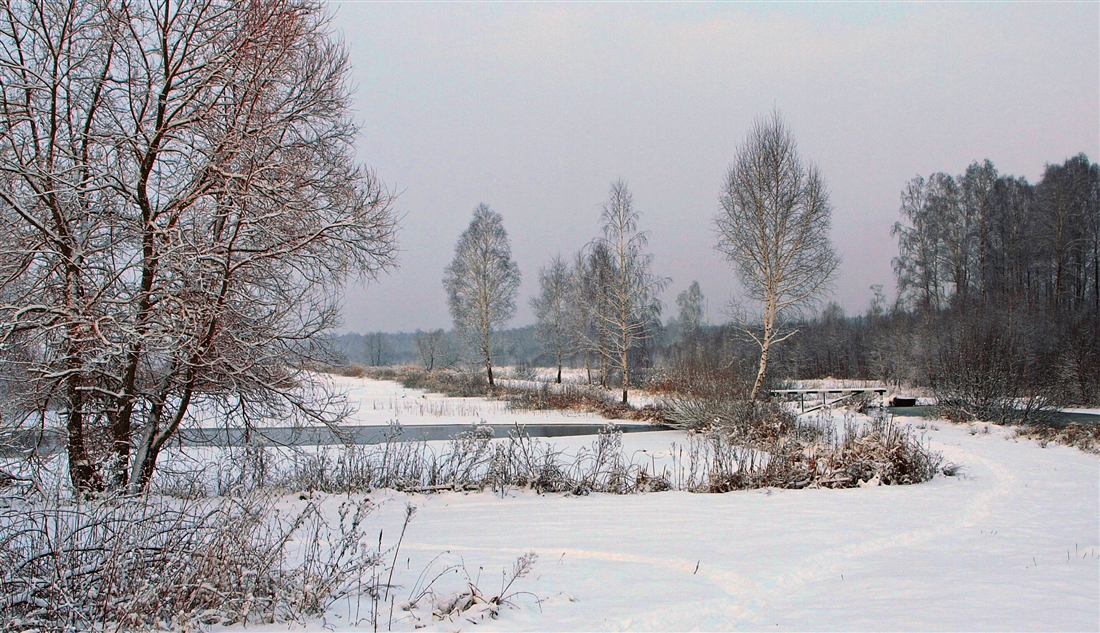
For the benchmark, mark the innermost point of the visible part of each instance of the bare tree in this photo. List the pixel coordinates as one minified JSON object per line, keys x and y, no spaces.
{"x":917,"y":265}
{"x":592,"y":273}
{"x":774,"y":228}
{"x":481,"y":282}
{"x":626,"y":317}
{"x":376,"y":349}
{"x":554,"y":319}
{"x":690,"y":302}
{"x":179,"y":203}
{"x":430,"y":346}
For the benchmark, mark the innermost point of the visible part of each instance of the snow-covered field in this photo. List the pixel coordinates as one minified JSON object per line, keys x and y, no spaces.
{"x":1012,"y":544}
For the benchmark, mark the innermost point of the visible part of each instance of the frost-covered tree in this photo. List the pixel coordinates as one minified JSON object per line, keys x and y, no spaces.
{"x":554,"y":319}
{"x":481,"y":282}
{"x":627,"y":317}
{"x":774,"y":228}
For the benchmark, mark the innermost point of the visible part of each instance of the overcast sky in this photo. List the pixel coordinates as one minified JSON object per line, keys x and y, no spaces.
{"x":534,"y":109}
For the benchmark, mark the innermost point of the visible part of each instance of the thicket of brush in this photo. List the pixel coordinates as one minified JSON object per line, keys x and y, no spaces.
{"x":139,"y":563}
{"x":471,"y":461}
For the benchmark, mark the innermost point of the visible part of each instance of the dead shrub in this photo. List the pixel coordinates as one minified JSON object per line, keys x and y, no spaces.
{"x":353,"y":371}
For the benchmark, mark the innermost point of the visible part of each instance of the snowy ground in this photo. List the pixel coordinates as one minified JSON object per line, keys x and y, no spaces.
{"x":1010,"y":545}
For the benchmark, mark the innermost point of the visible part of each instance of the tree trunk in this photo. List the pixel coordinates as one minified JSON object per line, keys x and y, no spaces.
{"x":489,"y":370}
{"x":626,"y":378}
{"x":81,"y":473}
{"x":764,"y":345}
{"x":760,"y":372}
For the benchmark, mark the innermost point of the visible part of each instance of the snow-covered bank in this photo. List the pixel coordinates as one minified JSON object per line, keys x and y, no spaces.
{"x":1011,"y":545}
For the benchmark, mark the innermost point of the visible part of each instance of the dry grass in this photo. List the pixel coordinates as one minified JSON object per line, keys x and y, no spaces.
{"x":472,"y":603}
{"x":574,"y":397}
{"x":449,"y":382}
{"x":471,"y":461}
{"x":1083,"y":436}
{"x":759,"y":453}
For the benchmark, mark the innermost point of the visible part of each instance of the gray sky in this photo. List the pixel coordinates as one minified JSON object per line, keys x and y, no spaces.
{"x":535,"y":108}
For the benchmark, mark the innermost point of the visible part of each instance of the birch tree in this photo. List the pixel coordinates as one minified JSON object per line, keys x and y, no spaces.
{"x":691,"y":303}
{"x":482,"y":282}
{"x":179,"y":205}
{"x":631,"y":300}
{"x":774,"y":229}
{"x":554,"y":318}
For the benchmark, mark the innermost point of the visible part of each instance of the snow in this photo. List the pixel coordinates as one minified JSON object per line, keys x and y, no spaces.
{"x":1080,"y":410}
{"x":1012,"y":544}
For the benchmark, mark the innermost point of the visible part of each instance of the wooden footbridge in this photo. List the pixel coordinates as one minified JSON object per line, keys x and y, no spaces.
{"x":814,"y":398}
